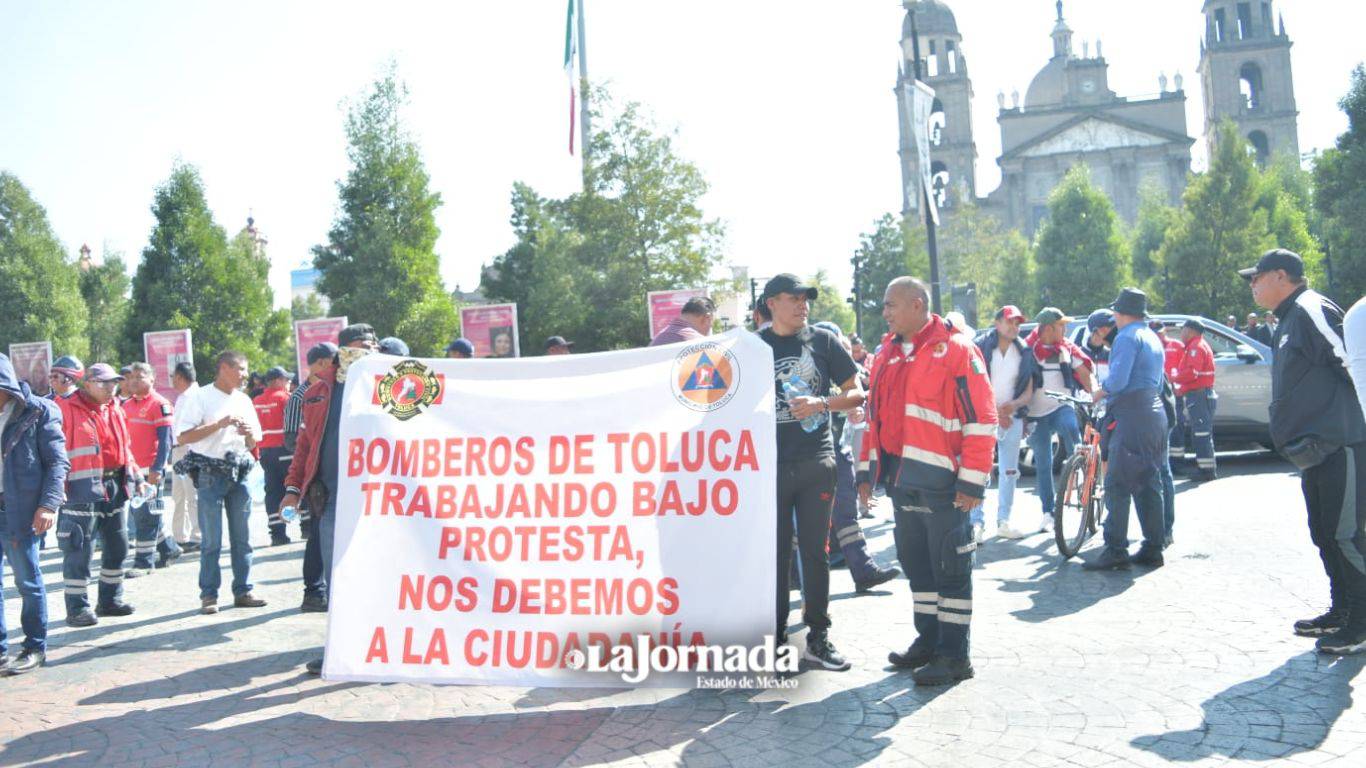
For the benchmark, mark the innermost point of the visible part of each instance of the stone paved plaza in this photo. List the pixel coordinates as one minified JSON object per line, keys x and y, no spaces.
{"x":1192,"y":663}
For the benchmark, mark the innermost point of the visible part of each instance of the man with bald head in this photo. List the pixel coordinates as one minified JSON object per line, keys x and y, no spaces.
{"x":931,"y":431}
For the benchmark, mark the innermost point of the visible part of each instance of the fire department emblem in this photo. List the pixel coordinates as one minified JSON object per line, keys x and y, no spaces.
{"x":408,"y":389}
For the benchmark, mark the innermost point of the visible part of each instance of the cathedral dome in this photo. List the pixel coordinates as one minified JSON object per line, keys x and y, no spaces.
{"x":1049,"y":86}
{"x":932,"y":17}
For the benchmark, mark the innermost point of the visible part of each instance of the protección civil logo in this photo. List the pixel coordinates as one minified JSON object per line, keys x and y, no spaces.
{"x":705,"y":376}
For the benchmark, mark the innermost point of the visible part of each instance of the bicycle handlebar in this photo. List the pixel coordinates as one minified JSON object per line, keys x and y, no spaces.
{"x":1063,"y":397}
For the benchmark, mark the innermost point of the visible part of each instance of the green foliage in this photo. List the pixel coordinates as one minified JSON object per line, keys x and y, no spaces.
{"x":379,"y":265}
{"x":830,"y":304}
{"x":1155,"y":218}
{"x":1082,"y":259}
{"x":306,"y":307}
{"x":974,"y":248}
{"x":1340,"y":197}
{"x":39,"y":287}
{"x":1284,"y":193}
{"x":104,"y":288}
{"x":1221,"y":229}
{"x":891,"y":250}
{"x":191,"y":276}
{"x":581,"y":266}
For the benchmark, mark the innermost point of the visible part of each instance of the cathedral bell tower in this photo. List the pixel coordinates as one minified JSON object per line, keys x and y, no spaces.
{"x":1246,"y":76}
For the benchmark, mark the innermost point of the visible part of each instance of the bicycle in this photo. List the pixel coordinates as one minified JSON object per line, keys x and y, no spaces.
{"x":1079,"y":510}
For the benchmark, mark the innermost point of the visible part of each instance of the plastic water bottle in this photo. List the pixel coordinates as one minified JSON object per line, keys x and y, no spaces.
{"x":795,"y":386}
{"x":136,"y":498}
{"x":289,"y":513}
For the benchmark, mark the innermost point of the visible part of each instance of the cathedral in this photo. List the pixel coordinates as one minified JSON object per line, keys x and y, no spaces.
{"x":1069,"y":114}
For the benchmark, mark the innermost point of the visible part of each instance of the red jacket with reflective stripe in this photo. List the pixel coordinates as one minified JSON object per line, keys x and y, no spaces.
{"x":1172,"y":351}
{"x":1196,"y":369}
{"x":145,"y":416}
{"x":885,"y":405}
{"x":270,"y":410}
{"x":948,"y":428}
{"x":82,"y":423}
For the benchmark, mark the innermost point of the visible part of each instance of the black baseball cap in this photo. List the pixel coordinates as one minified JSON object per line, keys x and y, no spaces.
{"x":357,"y":332}
{"x":789,"y":283}
{"x":323,"y":350}
{"x":1278,"y":258}
{"x":277,"y":373}
{"x":558,"y":341}
{"x":1194,"y":324}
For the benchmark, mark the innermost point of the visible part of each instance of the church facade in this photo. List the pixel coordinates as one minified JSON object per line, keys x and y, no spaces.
{"x":1069,"y":115}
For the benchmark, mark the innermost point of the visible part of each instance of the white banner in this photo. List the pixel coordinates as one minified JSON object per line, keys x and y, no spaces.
{"x":495,"y":515}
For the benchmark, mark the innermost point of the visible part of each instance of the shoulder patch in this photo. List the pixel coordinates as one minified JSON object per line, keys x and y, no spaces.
{"x":165,"y":409}
{"x":977,"y":365}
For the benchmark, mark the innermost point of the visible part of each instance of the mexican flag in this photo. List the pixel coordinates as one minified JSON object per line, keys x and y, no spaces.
{"x":571,"y":55}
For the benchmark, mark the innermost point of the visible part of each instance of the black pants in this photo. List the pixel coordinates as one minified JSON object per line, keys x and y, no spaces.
{"x":806,"y":492}
{"x":935,"y":546}
{"x":276,"y":468}
{"x":1335,"y":493}
{"x":314,"y":585}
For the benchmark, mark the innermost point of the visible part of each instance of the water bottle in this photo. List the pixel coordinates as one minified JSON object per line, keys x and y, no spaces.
{"x":289,"y":513}
{"x":795,"y":386}
{"x":136,"y":498}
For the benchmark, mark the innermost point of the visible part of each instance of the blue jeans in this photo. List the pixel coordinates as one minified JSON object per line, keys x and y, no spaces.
{"x":1063,"y":423}
{"x":217,"y":493}
{"x":21,"y":551}
{"x":1007,"y":473}
{"x":314,"y":585}
{"x":1148,"y":501}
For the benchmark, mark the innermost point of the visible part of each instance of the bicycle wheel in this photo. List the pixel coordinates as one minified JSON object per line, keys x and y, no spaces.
{"x":1071,"y":516}
{"x":1098,"y":510}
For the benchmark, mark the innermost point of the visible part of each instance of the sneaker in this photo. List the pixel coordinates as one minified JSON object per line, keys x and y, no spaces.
{"x":1008,"y":531}
{"x":820,"y":651}
{"x":189,"y":546}
{"x":1319,"y":626}
{"x":314,"y":667}
{"x":1347,"y":641}
{"x":314,"y":604}
{"x":913,"y":658}
{"x":1108,"y":560}
{"x":279,"y":541}
{"x":1046,"y":523}
{"x":136,"y":572}
{"x":208,"y":606}
{"x":942,"y":671}
{"x":878,"y":579}
{"x":114,"y":609}
{"x":247,"y":601}
{"x":1149,"y":557}
{"x":27,"y":661}
{"x":83,"y":619}
{"x":165,"y":560}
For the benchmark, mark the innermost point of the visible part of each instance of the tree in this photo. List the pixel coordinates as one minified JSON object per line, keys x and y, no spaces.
{"x":104,"y":288}
{"x":976,"y":249}
{"x":1340,"y":196}
{"x":581,"y":266}
{"x":1082,"y":259}
{"x":191,"y":276}
{"x":1284,"y":192}
{"x":39,"y":287}
{"x":1220,"y":230}
{"x":830,"y":304}
{"x":379,"y":265}
{"x":1155,"y":218}
{"x":892,"y":249}
{"x":306,"y":307}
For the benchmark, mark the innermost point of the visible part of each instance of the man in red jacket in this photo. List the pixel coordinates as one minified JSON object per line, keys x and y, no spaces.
{"x":932,"y":430}
{"x":1194,"y":383}
{"x":313,"y":472}
{"x":149,"y":417}
{"x":270,"y":411}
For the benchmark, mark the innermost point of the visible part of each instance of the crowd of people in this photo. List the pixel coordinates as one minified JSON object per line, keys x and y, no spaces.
{"x":926,"y":417}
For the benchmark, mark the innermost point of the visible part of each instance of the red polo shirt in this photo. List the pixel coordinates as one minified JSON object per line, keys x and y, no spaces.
{"x":145,"y":416}
{"x":270,"y":410}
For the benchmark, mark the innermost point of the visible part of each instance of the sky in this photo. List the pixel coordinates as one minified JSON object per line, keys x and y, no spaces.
{"x":786,"y":107}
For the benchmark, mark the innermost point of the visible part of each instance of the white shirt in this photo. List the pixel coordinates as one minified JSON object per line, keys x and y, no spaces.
{"x":1005,"y":368}
{"x":1041,"y":404}
{"x":1354,"y":337}
{"x":177,"y":423}
{"x":207,"y":405}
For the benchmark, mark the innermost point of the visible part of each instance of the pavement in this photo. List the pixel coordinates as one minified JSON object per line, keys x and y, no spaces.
{"x":1191,"y":663}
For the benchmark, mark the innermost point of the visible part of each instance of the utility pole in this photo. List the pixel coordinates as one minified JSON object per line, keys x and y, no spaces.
{"x":931,"y":243}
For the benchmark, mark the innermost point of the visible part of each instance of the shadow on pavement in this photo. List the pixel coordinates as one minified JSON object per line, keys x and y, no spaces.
{"x":1058,"y":588}
{"x":215,"y":630}
{"x":1285,"y":712}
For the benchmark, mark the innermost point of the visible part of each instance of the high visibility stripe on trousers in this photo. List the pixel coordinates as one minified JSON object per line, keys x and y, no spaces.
{"x":955,"y":610}
{"x":926,"y":602}
{"x":850,"y":534}
{"x":111,"y":575}
{"x":75,"y":586}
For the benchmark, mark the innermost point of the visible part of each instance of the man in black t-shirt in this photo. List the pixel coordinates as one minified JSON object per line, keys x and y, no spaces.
{"x":806,"y":361}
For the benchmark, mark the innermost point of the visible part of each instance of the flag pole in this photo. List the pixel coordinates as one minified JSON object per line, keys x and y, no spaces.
{"x":583,"y":92}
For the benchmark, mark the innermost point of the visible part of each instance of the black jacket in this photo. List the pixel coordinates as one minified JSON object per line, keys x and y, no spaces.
{"x":1028,"y":365}
{"x":1311,"y":391}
